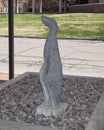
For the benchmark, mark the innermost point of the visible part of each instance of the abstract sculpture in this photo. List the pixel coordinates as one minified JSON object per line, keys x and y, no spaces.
{"x":51,"y":71}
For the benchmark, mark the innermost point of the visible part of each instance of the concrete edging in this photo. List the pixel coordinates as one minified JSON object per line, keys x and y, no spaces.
{"x":97,"y":119}
{"x":10,"y":125}
{"x":16,"y":79}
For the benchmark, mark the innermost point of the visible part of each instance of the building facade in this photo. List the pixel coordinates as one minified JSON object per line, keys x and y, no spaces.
{"x":90,"y":1}
{"x":35,"y":6}
{"x":91,"y":6}
{"x":93,"y":1}
{"x":96,"y":1}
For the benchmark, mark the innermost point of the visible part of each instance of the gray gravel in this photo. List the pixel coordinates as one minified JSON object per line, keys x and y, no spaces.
{"x":18,"y":102}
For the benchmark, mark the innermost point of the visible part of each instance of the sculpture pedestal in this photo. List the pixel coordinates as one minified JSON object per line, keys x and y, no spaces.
{"x":52,"y":111}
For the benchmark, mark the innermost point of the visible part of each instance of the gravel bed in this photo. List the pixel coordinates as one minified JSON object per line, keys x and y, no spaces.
{"x":19,"y":101}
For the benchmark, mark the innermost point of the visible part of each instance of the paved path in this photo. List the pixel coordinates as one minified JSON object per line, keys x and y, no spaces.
{"x":79,"y":57}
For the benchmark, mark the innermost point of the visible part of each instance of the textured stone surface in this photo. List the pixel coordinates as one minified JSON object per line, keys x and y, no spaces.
{"x":51,"y":70}
{"x":52,"y":111}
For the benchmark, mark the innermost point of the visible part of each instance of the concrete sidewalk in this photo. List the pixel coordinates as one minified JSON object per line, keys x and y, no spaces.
{"x":79,"y":57}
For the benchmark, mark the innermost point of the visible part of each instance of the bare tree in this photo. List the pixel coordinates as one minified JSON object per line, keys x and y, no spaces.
{"x":33,"y":6}
{"x":41,"y":1}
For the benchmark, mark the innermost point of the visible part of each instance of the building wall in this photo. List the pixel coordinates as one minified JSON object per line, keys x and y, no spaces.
{"x":93,"y":1}
{"x":101,"y":1}
{"x":0,"y":7}
{"x":20,"y":7}
{"x":88,"y":8}
{"x":24,"y":6}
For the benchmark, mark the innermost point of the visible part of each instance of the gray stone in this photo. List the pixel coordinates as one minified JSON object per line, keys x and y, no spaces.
{"x":97,"y":119}
{"x":52,"y":111}
{"x":51,"y":70}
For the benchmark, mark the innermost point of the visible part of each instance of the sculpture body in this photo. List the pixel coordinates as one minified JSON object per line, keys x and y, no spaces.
{"x":51,"y":70}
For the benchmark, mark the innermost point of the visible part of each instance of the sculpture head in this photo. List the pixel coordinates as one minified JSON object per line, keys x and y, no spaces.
{"x":51,"y":23}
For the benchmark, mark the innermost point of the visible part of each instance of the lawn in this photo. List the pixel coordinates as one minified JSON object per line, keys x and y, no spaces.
{"x":74,"y":25}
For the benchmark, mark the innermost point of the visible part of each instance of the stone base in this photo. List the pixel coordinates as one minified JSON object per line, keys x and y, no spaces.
{"x":52,"y":111}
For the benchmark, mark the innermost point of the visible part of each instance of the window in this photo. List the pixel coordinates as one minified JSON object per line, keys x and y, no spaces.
{"x":82,"y":1}
{"x":19,"y":1}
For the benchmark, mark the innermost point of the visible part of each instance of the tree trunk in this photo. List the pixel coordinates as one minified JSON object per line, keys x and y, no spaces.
{"x":60,"y":6}
{"x":65,"y":6}
{"x":40,"y":6}
{"x":33,"y":6}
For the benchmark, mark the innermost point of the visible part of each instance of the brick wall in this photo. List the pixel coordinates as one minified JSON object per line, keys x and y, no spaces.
{"x":88,"y":8}
{"x":0,"y":7}
{"x":93,"y":1}
{"x":20,"y":6}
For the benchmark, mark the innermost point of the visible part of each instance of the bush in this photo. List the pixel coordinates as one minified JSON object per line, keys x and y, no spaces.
{"x":50,"y":6}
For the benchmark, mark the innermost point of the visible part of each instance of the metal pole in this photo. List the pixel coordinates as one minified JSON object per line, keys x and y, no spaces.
{"x":11,"y":39}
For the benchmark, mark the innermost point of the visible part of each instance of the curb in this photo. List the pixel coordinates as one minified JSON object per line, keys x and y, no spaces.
{"x":97,"y":119}
{"x":10,"y":125}
{"x":92,"y":39}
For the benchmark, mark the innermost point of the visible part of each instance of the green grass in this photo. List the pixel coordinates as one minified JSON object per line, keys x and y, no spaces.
{"x":76,"y":25}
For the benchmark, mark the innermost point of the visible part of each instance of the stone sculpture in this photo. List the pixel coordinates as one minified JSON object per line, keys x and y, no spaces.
{"x":51,"y":71}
